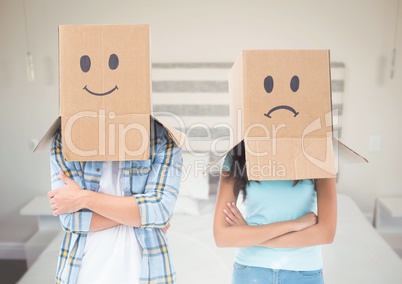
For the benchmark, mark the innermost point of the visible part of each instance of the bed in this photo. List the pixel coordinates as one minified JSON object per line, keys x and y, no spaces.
{"x":186,"y":94}
{"x":358,"y":255}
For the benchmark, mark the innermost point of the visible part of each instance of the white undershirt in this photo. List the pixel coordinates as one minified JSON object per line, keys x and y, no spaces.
{"x":112,"y":255}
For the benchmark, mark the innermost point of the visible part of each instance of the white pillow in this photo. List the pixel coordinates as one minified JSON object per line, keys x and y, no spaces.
{"x":187,"y":205}
{"x":194,"y":182}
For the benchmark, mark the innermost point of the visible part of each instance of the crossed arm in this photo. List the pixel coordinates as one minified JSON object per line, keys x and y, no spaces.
{"x":108,"y":211}
{"x":231,"y":230}
{"x":82,"y":210}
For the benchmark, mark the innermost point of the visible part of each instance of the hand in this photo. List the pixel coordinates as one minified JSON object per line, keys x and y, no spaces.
{"x":306,"y":221}
{"x":65,"y":199}
{"x":166,"y":228}
{"x":233,"y":215}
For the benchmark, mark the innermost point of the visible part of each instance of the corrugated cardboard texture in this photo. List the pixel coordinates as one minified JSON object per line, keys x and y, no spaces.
{"x":130,"y":43}
{"x":104,"y":85}
{"x":310,"y":101}
{"x":105,"y":101}
{"x":281,"y":107}
{"x":289,"y":158}
{"x":101,"y":138}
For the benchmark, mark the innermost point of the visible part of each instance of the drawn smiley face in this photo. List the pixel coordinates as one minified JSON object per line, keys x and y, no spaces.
{"x":85,"y":64}
{"x":269,"y":86}
{"x":104,"y":67}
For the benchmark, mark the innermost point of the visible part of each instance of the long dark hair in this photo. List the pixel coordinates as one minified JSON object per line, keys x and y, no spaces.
{"x":238,"y":170}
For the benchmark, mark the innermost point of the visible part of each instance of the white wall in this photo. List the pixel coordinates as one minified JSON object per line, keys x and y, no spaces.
{"x":359,"y":33}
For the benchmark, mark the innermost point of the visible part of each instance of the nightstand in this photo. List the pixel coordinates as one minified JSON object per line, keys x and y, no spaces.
{"x":48,"y":227}
{"x":388,"y":221}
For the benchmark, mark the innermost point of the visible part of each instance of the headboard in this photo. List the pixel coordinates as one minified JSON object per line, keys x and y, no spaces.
{"x":197,"y":96}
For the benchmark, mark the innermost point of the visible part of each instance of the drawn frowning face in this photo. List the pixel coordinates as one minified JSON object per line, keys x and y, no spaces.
{"x":284,"y":88}
{"x":269,"y":86}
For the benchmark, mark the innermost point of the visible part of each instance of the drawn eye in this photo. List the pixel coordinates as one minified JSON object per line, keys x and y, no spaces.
{"x":294,"y":83}
{"x":113,"y":61}
{"x":268,"y":84}
{"x":85,"y":63}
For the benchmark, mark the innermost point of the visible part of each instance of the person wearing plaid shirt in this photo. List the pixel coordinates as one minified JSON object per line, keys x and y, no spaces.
{"x":150,"y":191}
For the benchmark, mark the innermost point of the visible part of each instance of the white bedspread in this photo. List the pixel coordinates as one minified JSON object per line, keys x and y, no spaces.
{"x":358,"y":255}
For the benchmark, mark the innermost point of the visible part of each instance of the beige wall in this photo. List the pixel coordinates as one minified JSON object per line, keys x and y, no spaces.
{"x":359,"y":33}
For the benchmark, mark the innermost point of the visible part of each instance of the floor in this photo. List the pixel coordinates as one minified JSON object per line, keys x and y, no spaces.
{"x":11,"y":270}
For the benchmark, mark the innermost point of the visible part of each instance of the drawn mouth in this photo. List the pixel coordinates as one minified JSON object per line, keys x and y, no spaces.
{"x":268,"y":114}
{"x":101,"y":94}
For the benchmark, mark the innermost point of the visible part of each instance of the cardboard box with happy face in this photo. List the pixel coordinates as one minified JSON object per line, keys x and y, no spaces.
{"x":281,"y":108}
{"x":105,"y":87}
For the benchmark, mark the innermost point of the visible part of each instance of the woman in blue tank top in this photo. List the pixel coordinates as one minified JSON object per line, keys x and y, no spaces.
{"x":286,"y":223}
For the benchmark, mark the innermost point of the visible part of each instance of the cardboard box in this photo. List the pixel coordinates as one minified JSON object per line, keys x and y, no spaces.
{"x":281,"y":108}
{"x":105,"y":93}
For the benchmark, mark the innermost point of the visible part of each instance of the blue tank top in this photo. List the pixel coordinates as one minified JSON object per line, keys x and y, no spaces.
{"x":273,"y":201}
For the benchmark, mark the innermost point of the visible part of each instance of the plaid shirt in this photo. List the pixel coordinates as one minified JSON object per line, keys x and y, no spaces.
{"x":154,"y":183}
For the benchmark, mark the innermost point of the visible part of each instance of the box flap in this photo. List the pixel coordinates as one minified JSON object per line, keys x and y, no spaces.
{"x":344,"y":155}
{"x":289,"y":158}
{"x":46,"y":141}
{"x":100,"y":137}
{"x":178,"y":137}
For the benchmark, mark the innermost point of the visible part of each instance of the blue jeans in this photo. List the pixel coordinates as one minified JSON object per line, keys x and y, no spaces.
{"x":243,"y":274}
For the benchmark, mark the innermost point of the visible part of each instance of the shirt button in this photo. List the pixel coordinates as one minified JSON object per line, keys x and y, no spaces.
{"x":97,"y":169}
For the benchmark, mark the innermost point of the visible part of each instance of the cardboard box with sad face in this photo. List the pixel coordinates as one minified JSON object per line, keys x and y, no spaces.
{"x":281,"y":108}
